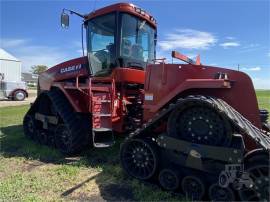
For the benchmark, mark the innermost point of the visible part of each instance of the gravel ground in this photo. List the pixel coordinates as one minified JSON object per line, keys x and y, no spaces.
{"x":31,"y":98}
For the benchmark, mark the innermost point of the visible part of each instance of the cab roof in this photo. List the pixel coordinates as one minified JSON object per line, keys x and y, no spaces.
{"x":124,"y":7}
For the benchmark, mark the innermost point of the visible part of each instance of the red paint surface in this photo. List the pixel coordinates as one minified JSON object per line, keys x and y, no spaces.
{"x":123,"y":7}
{"x":185,"y":79}
{"x":164,"y":81}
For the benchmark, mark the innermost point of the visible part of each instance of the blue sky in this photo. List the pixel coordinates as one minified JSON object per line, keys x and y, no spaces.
{"x":225,"y":33}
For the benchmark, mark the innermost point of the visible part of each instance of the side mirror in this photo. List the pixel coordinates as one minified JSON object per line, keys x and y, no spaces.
{"x":64,"y":20}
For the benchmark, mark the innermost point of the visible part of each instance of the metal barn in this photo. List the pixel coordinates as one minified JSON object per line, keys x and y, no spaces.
{"x":10,"y":67}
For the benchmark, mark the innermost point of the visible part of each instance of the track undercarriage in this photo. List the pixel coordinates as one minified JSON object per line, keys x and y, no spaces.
{"x":51,"y":121}
{"x":201,"y":153}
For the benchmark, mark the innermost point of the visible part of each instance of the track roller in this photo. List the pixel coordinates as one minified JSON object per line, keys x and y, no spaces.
{"x":139,"y":158}
{"x":169,"y":179}
{"x":29,"y":126}
{"x":259,"y":173}
{"x":217,"y":193}
{"x":42,"y":137}
{"x":63,"y":138}
{"x":51,"y":139}
{"x":203,"y":123}
{"x":193,"y":187}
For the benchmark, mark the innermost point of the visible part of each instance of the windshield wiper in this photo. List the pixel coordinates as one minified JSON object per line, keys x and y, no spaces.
{"x":142,"y":25}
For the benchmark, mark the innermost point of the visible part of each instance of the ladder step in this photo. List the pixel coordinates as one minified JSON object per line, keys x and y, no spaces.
{"x":103,"y":144}
{"x":103,"y":115}
{"x":102,"y":101}
{"x":103,"y":137}
{"x":102,"y":89}
{"x":102,"y":129}
{"x":105,"y":101}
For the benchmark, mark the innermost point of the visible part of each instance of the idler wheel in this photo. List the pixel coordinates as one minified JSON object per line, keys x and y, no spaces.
{"x":193,"y":187}
{"x":218,"y":193}
{"x":139,"y":158}
{"x":224,"y":179}
{"x":169,"y":179}
{"x":259,"y":190}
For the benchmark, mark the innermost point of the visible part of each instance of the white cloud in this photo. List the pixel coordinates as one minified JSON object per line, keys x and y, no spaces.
{"x":261,"y":83}
{"x":230,"y":38}
{"x":31,"y":54}
{"x":251,"y":69}
{"x":12,"y":43}
{"x":187,"y":39}
{"x":229,"y":44}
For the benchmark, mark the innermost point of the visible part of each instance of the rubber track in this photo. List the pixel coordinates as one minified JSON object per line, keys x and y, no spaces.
{"x":70,"y":119}
{"x":238,"y":121}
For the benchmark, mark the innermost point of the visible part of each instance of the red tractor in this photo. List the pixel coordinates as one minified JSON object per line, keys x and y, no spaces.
{"x":184,"y":122}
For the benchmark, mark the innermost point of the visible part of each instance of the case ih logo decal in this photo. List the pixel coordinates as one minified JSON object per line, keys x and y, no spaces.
{"x":71,"y":68}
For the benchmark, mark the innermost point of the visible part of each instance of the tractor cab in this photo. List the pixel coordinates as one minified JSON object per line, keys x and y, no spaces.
{"x":121,"y":35}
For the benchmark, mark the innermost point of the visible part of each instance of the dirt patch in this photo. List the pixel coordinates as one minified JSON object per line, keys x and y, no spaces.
{"x":85,"y":197}
{"x":31,"y":98}
{"x":109,"y":192}
{"x":29,"y":166}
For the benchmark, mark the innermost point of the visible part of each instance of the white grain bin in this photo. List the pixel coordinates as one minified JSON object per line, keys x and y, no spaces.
{"x":10,"y":67}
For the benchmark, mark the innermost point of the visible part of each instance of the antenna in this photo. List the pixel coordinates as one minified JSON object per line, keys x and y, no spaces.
{"x":82,"y":40}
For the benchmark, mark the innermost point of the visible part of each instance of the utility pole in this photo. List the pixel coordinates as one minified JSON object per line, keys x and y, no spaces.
{"x":238,"y":67}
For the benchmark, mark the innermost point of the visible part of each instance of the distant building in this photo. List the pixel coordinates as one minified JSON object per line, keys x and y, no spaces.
{"x":30,"y":79}
{"x":11,"y":86}
{"x":10,"y":67}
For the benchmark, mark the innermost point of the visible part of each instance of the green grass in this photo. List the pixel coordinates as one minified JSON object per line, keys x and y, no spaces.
{"x":31,"y":172}
{"x":263,"y":97}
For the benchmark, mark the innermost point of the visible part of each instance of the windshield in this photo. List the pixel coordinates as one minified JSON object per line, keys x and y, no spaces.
{"x":101,"y":48}
{"x":124,"y":41}
{"x":137,"y":39}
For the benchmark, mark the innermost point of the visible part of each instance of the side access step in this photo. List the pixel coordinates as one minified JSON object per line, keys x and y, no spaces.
{"x":102,"y":137}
